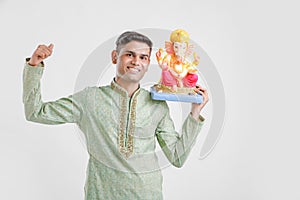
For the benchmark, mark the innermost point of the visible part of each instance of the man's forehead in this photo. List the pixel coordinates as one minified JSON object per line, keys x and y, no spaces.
{"x":137,"y":51}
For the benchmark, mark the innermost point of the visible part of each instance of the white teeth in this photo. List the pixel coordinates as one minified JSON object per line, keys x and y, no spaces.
{"x":133,"y":69}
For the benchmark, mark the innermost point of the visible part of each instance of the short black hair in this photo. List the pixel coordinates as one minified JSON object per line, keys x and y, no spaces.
{"x":129,"y":36}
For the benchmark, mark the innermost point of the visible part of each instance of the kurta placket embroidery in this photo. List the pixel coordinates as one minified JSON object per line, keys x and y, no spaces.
{"x":131,"y":119}
{"x":127,"y":120}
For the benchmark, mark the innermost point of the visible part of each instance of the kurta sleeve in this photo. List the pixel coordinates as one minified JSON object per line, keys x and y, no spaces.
{"x":64,"y":110}
{"x":177,"y":147}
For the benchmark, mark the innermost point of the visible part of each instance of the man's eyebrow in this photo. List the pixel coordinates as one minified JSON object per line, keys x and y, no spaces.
{"x":134,"y":53}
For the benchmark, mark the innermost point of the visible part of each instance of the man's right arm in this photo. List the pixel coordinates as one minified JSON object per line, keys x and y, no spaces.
{"x":63,"y":110}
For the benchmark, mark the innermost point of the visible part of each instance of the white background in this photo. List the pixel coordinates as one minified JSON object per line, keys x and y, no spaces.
{"x":254,"y":45}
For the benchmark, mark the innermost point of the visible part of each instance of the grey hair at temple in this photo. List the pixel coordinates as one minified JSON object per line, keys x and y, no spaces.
{"x":129,"y":36}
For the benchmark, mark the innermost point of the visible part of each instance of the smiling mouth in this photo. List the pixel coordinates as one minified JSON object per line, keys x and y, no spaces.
{"x":133,"y":69}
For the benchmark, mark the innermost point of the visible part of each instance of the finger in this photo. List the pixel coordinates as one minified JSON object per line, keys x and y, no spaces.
{"x":203,"y":93}
{"x":47,"y":48}
{"x":203,"y":90}
{"x":40,"y":46}
{"x":198,"y":91}
{"x":43,"y":53}
{"x":199,"y":86}
{"x":39,"y":53}
{"x":46,"y":51}
{"x":51,"y":46}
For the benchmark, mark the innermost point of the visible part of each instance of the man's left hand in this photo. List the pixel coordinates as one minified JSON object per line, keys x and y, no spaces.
{"x":197,"y":107}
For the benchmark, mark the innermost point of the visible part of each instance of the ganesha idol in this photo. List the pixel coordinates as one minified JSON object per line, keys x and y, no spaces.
{"x":179,"y":74}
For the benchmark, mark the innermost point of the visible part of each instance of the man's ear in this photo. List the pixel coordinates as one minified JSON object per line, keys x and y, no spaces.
{"x":114,"y":57}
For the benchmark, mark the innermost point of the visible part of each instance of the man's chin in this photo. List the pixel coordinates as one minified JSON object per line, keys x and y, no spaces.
{"x":132,"y":79}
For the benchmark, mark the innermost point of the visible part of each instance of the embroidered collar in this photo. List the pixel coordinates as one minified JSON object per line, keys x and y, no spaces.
{"x":115,"y":86}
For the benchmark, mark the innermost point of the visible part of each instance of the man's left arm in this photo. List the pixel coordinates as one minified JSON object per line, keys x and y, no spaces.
{"x":176,"y":147}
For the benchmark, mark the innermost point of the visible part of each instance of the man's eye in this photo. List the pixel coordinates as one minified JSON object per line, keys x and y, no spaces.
{"x":144,"y":58}
{"x":129,"y":54}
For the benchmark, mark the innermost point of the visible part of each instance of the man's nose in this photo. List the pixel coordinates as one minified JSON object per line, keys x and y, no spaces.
{"x":135,"y":60}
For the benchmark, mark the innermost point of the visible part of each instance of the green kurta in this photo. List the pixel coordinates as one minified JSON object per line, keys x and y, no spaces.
{"x":121,"y":134}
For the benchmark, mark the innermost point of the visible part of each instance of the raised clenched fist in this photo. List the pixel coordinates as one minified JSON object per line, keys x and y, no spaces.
{"x":41,"y":53}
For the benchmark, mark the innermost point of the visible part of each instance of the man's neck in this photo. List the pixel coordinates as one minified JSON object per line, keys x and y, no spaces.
{"x":128,"y":86}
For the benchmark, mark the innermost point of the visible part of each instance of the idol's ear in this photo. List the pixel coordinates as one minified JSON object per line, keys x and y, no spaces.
{"x":169,"y":47}
{"x":190,"y":49}
{"x":114,"y":57}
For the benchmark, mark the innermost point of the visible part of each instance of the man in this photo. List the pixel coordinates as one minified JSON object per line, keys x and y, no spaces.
{"x":120,"y":122}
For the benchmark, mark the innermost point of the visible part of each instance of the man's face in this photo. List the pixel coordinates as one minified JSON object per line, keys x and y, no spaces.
{"x":132,"y":62}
